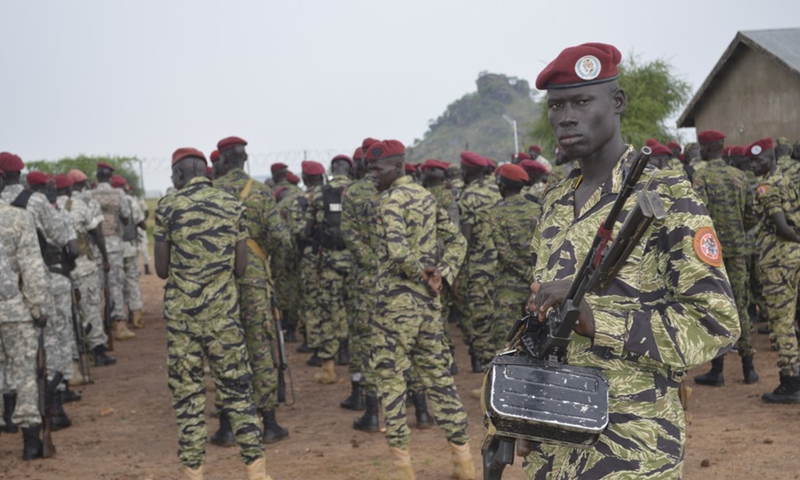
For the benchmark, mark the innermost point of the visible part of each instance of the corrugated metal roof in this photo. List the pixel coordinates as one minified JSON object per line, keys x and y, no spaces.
{"x":782,"y":45}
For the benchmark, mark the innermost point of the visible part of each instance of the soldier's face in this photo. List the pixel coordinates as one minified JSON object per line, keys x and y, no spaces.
{"x":385,"y":171}
{"x":762,"y":164}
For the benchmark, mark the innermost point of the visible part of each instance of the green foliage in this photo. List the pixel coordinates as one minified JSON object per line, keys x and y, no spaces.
{"x":654,"y":94}
{"x":125,"y":166}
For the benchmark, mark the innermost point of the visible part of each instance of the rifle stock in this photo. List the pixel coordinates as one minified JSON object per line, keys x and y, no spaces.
{"x":46,"y":391}
{"x":283,"y":363}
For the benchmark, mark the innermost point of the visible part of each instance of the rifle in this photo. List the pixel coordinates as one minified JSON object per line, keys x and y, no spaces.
{"x":283,"y":363}
{"x":108,"y":308}
{"x":83,"y":354}
{"x":46,"y":392}
{"x":548,"y":340}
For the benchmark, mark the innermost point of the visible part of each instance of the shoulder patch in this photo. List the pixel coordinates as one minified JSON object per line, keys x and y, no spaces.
{"x":762,"y":190}
{"x":707,"y":247}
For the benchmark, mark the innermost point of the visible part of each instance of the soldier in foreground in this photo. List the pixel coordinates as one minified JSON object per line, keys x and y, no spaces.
{"x":200,"y":246}
{"x":669,"y":309}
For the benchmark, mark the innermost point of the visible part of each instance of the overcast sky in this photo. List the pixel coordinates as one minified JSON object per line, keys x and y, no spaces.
{"x":142,"y":78}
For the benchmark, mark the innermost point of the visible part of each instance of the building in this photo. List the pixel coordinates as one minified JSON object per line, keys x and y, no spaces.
{"x":753,"y":90}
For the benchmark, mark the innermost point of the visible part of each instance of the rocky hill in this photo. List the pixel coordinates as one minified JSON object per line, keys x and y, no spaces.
{"x":475,"y":122}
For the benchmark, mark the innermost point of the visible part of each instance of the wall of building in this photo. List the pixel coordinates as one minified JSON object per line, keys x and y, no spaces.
{"x":754,"y":97}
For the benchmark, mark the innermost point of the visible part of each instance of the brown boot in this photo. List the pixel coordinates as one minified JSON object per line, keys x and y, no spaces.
{"x":121,"y":331}
{"x":401,"y":465}
{"x":77,"y":377}
{"x":138,"y":321}
{"x":193,"y":473}
{"x":327,"y":373}
{"x":463,"y":468}
{"x":258,"y":470}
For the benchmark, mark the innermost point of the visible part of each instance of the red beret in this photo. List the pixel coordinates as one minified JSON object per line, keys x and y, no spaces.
{"x":342,"y":157}
{"x":710,"y":136}
{"x":410,"y":167}
{"x":433,"y":163}
{"x":535,"y":148}
{"x":104,"y":165}
{"x":118,"y":181}
{"x":63,"y":181}
{"x":278,"y":191}
{"x":36,"y":178}
{"x":310,"y":167}
{"x":358,"y":155}
{"x":184,"y":152}
{"x":472,"y":159}
{"x":2,"y":173}
{"x":277,"y":166}
{"x":524,"y":156}
{"x":209,"y":171}
{"x":661,"y":150}
{"x":229,"y":142}
{"x":489,"y":162}
{"x":736,"y":151}
{"x":292,"y":178}
{"x":385,"y":149}
{"x":726,"y":150}
{"x":754,"y":149}
{"x":77,"y":176}
{"x":533,"y":167}
{"x":651,"y":142}
{"x":513,"y":172}
{"x":214,"y":156}
{"x":368,"y":142}
{"x":10,"y":162}
{"x":673,"y":144}
{"x":587,"y":64}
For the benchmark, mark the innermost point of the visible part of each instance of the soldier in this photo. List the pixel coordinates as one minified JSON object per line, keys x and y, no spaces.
{"x":476,"y":282}
{"x":537,"y":180}
{"x":789,"y":167}
{"x":779,"y":265}
{"x":141,"y":232}
{"x":660,"y":156}
{"x":406,"y":327}
{"x":726,"y":192}
{"x":200,"y":245}
{"x":130,"y":254}
{"x":284,"y":267}
{"x":116,"y":213}
{"x":23,"y":303}
{"x":266,"y":235}
{"x":673,"y":284}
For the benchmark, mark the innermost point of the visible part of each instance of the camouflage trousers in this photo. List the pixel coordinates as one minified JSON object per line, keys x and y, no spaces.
{"x":755,"y":288}
{"x":407,"y":335}
{"x":59,"y":338}
{"x":89,"y":309}
{"x":738,"y":276}
{"x":18,"y":346}
{"x":221,"y":342}
{"x":509,"y":306}
{"x":479,"y":298}
{"x":116,"y":283}
{"x":360,"y":342}
{"x":287,"y":285}
{"x":780,"y":274}
{"x":645,"y":439}
{"x":133,"y":292}
{"x":329,"y":328}
{"x":308,"y":307}
{"x":446,"y":299}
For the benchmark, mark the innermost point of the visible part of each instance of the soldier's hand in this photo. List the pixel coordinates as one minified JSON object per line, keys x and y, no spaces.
{"x":545,"y":296}
{"x":523,"y":447}
{"x":40,"y":321}
{"x":433,"y":277}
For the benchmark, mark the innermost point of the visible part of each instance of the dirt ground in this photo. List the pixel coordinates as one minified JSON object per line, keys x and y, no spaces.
{"x":124,"y":428}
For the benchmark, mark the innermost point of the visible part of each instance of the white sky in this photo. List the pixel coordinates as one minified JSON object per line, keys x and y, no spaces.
{"x":142,"y":78}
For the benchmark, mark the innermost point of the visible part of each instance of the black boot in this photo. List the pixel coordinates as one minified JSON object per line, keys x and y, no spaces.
{"x":453,"y":365}
{"x":224,"y":436}
{"x":101,"y":359}
{"x":272,"y":431}
{"x":291,"y":330}
{"x":750,"y":375}
{"x":369,"y":421}
{"x":787,"y":392}
{"x":714,"y":377}
{"x":314,"y":360}
{"x":147,"y":269}
{"x":70,"y":395}
{"x":31,"y":444}
{"x":477,"y":367}
{"x":58,"y":417}
{"x":304,"y":348}
{"x":424,"y":420}
{"x":344,"y":354}
{"x":356,"y":399}
{"x":9,"y":404}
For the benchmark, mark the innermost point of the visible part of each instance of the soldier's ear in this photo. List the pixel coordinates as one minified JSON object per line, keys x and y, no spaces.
{"x":620,"y":101}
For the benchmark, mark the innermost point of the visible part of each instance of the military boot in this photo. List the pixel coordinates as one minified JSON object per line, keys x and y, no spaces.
{"x":714,"y":377}
{"x":424,"y":420}
{"x":453,"y":365}
{"x":463,"y":467}
{"x":101,"y":359}
{"x":477,"y":367}
{"x":137,"y":320}
{"x":750,"y":375}
{"x":369,"y":421}
{"x":190,"y":473}
{"x":224,"y":436}
{"x":291,"y":330}
{"x":787,"y":392}
{"x":356,"y":399}
{"x":272,"y":431}
{"x":121,"y":331}
{"x":314,"y":360}
{"x":401,"y":468}
{"x":343,"y":358}
{"x":77,"y":376}
{"x":9,"y":405}
{"x":258,"y":470}
{"x":70,"y":395}
{"x":327,"y":373}
{"x":303,"y":347}
{"x":147,"y":272}
{"x":31,"y":444}
{"x":58,"y":417}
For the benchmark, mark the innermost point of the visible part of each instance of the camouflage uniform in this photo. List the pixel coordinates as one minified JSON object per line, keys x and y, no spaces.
{"x":267,"y":234}
{"x":513,"y":221}
{"x":727,"y":195}
{"x":779,"y":266}
{"x":201,"y":306}
{"x":755,"y":287}
{"x":477,"y":275}
{"x":115,"y":208}
{"x":21,"y":265}
{"x":446,"y":203}
{"x":283,"y":265}
{"x":406,"y":328}
{"x":666,"y":312}
{"x":308,"y":266}
{"x":130,"y":256}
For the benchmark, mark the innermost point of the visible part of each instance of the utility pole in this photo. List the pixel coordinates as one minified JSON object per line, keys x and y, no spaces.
{"x":141,"y":179}
{"x":513,"y":123}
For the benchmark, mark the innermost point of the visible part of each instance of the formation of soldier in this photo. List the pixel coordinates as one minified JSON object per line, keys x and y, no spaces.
{"x":65,"y":244}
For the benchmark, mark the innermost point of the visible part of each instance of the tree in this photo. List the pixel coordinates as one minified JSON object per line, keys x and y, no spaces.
{"x":654,"y":93}
{"x":125,"y":166}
